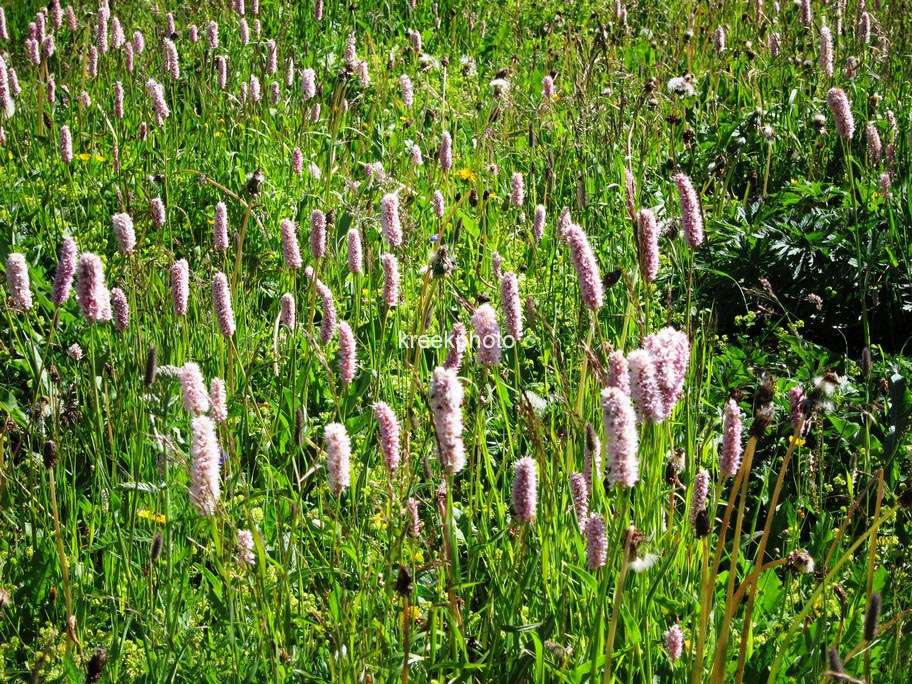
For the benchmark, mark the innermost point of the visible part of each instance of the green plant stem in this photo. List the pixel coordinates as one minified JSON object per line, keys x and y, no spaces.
{"x":741,"y":482}
{"x":64,"y":570}
{"x":812,"y":600}
{"x":616,"y":604}
{"x":761,"y":549}
{"x":584,"y":369}
{"x":696,"y":673}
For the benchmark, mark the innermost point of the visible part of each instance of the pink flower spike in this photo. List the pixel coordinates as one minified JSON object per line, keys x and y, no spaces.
{"x":66,"y":267}
{"x":390,"y":431}
{"x":347,"y":353}
{"x":196,"y":398}
{"x":621,"y":441}
{"x":691,"y":214}
{"x":17,"y":280}
{"x":730,"y":459}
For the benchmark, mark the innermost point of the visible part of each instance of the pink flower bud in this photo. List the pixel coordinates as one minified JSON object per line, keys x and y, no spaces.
{"x":170,"y":61}
{"x":351,"y":56}
{"x":446,"y":396}
{"x":309,"y":84}
{"x":389,"y":219}
{"x":121,"y":309}
{"x":66,"y":144}
{"x":290,"y":250}
{"x":272,"y":59}
{"x":519,"y":192}
{"x":389,"y":429}
{"x":193,"y":387}
{"x":91,"y":292}
{"x":487,"y":330}
{"x":328,"y":323}
{"x":221,"y":63}
{"x":826,"y":52}
{"x":875,"y":147}
{"x":288,"y":311}
{"x":674,"y":642}
{"x":118,"y":100}
{"x":699,"y":495}
{"x":548,"y":88}
{"x":415,"y":525}
{"x":66,"y":267}
{"x":180,"y":291}
{"x":117,"y":33}
{"x":347,"y":353}
{"x":221,"y":301}
{"x":596,"y":542}
{"x":204,"y":470}
{"x":525,"y":490}
{"x":619,"y":372}
{"x":621,"y":438}
{"x":338,"y":457}
{"x":17,"y":280}
{"x":390,"y":280}
{"x":538,"y":224}
{"x":691,"y":215}
{"x":586,"y":266}
{"x":839,"y":104}
{"x":719,"y":40}
{"x":219,"y":400}
{"x":509,"y":297}
{"x":446,"y":151}
{"x":579,"y":492}
{"x":405,"y":86}
{"x":317,"y":234}
{"x":730,"y":459}
{"x":459,"y":342}
{"x":157,"y":210}
{"x":648,"y":245}
{"x":355,"y":257}
{"x":212,"y":36}
{"x":220,"y":227}
{"x":123,"y":231}
{"x":438,"y":203}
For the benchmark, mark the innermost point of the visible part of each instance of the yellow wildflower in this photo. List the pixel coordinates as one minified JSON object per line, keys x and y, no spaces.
{"x":159,"y":518}
{"x":466,"y":174}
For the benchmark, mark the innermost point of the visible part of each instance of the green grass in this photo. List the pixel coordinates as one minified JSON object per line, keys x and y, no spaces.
{"x":788,"y":217}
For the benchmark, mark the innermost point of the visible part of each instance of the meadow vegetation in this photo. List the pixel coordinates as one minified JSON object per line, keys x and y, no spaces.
{"x":455,"y":342}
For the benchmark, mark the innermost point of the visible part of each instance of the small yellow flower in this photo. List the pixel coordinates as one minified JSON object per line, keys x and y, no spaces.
{"x":85,"y":156}
{"x":799,"y":441}
{"x":99,"y":158}
{"x":218,"y":134}
{"x":378,"y":523}
{"x":414,"y":613}
{"x":159,"y":518}
{"x":466,"y":174}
